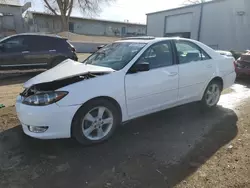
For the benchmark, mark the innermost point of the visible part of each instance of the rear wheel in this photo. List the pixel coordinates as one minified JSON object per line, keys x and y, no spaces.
{"x":212,"y":95}
{"x":95,"y":122}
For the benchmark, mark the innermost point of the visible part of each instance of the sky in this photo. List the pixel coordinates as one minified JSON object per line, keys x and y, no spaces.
{"x":121,"y":10}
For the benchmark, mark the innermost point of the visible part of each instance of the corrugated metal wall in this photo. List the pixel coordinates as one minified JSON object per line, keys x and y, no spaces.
{"x":157,"y":23}
{"x":225,"y":24}
{"x":179,"y":23}
{"x":12,"y":18}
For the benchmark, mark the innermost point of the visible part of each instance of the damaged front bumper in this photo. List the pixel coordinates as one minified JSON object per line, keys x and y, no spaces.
{"x":57,"y":119}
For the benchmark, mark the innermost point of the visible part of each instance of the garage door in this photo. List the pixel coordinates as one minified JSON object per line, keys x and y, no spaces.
{"x":178,"y":23}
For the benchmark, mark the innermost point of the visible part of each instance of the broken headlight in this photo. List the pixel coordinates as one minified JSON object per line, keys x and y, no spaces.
{"x":46,"y":98}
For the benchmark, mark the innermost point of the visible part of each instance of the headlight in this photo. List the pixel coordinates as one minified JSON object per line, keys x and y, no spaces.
{"x":46,"y":98}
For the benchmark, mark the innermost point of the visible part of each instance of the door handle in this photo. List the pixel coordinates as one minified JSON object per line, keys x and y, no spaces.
{"x":172,"y":73}
{"x":26,"y":52}
{"x":209,"y":66}
{"x":52,"y":51}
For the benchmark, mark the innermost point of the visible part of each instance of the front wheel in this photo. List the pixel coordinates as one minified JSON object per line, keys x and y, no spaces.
{"x":212,"y":95}
{"x":95,"y":122}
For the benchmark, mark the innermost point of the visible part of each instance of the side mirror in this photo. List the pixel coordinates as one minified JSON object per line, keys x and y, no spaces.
{"x":99,"y":47}
{"x":140,"y":67}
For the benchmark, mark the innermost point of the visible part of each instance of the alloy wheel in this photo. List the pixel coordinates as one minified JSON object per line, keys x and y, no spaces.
{"x":212,"y":95}
{"x":97,"y":123}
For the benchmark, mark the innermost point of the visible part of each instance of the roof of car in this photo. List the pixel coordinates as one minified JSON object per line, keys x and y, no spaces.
{"x":38,"y":34}
{"x":149,"y":39}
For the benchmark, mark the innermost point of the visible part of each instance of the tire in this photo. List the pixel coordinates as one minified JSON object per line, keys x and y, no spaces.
{"x":214,"y":98}
{"x":81,"y":123}
{"x":57,"y":61}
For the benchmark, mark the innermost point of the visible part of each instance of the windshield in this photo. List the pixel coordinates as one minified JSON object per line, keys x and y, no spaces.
{"x":4,"y":38}
{"x":115,"y":55}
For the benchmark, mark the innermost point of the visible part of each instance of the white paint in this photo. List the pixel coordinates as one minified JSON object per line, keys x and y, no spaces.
{"x":149,"y":90}
{"x":65,"y":69}
{"x":137,"y":94}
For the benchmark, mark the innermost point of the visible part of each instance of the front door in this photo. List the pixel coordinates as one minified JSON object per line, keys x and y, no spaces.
{"x":11,"y":52}
{"x":38,"y":55}
{"x":157,"y":88}
{"x":195,"y":70}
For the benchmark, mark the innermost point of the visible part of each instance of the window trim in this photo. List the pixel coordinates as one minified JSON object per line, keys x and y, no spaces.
{"x":174,"y":59}
{"x":198,"y":47}
{"x":13,"y":38}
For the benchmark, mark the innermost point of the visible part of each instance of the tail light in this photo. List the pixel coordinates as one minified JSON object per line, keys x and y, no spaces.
{"x":234,"y":64}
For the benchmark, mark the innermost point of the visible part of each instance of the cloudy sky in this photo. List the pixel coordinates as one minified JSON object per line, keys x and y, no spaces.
{"x":132,"y":10}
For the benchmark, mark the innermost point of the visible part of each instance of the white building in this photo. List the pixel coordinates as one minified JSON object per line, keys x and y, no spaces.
{"x":43,"y":22}
{"x":221,"y":24}
{"x":11,"y":20}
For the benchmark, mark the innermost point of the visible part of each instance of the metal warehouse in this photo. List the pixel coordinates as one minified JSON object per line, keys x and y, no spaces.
{"x":221,"y":24}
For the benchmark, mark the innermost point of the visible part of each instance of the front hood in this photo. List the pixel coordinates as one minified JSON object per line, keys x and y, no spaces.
{"x":67,"y":68}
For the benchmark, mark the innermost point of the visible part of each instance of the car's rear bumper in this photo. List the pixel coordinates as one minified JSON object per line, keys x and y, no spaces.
{"x":57,"y":119}
{"x":229,"y":79}
{"x":242,"y":72}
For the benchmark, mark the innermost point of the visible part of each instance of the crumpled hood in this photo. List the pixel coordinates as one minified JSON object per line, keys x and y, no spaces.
{"x":65,"y":69}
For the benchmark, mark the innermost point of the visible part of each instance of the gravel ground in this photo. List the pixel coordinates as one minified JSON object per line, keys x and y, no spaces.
{"x":180,"y":147}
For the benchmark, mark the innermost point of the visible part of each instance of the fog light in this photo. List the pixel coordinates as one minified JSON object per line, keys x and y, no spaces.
{"x":35,"y":129}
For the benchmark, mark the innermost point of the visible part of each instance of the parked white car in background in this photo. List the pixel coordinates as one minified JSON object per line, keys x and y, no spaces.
{"x":226,"y":54}
{"x":122,"y":81}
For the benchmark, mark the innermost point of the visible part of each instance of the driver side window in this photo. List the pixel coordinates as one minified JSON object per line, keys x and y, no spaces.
{"x":15,"y":44}
{"x":158,"y":55}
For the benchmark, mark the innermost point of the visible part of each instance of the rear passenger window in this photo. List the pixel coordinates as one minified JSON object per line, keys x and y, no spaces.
{"x":158,"y":55}
{"x":44,"y":43}
{"x":39,"y":43}
{"x":62,"y":45}
{"x":189,"y":52}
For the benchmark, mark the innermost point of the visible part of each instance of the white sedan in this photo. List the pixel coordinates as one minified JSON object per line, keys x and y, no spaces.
{"x":124,"y":80}
{"x":226,"y":54}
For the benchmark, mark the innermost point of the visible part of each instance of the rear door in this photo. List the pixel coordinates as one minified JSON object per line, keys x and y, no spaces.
{"x":11,"y":53}
{"x":60,"y":48}
{"x":38,"y":53}
{"x":196,"y":68}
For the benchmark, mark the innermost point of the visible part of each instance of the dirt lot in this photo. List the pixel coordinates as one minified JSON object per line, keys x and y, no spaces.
{"x":181,"y":147}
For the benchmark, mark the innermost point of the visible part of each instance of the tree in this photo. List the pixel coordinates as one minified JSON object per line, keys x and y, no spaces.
{"x":63,"y":8}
